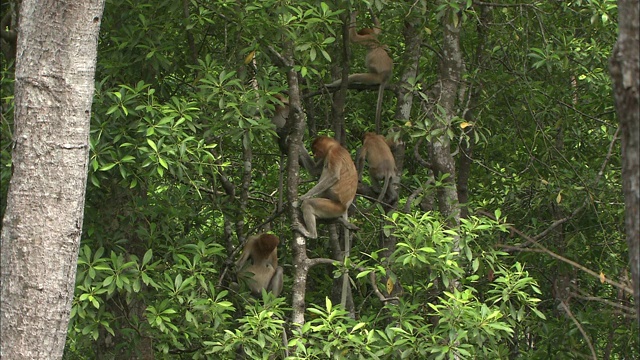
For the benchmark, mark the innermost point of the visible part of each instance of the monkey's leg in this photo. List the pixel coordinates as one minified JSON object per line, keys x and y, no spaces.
{"x":375,"y":184}
{"x":275,"y":285}
{"x":317,"y":208}
{"x":307,"y":230}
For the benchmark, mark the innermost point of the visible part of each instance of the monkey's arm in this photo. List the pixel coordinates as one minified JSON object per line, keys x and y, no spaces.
{"x":245,"y":253}
{"x":330,"y":175}
{"x":242,"y":260}
{"x":362,"y":152}
{"x":308,"y":163}
{"x":356,"y":38}
{"x":353,"y":18}
{"x":376,"y":29}
{"x":323,"y":184}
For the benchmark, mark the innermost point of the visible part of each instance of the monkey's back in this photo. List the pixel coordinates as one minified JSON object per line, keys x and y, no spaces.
{"x":379,"y":155}
{"x":378,"y":61}
{"x":344,"y":190}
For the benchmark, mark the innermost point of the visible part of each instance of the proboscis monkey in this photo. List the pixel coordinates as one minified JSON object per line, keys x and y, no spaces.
{"x":279,"y":119}
{"x":377,"y":61}
{"x":281,"y":112}
{"x":335,"y":190}
{"x":382,"y":165}
{"x":262,"y":249}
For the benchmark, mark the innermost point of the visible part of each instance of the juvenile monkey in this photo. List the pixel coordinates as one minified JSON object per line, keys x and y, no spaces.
{"x":262,"y":249}
{"x":382,"y":165}
{"x":336,"y":188}
{"x":279,"y":119}
{"x":281,"y":112}
{"x":377,"y":61}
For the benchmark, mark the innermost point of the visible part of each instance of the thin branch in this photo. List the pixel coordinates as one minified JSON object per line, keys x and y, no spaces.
{"x":626,"y":310}
{"x":584,"y":333}
{"x":374,"y":284}
{"x":483,"y":3}
{"x":543,"y":249}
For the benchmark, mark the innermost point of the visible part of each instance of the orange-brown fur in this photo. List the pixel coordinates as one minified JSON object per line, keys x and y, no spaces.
{"x":378,"y":62}
{"x":262,"y":249}
{"x":335,"y":189}
{"x":382,"y":165}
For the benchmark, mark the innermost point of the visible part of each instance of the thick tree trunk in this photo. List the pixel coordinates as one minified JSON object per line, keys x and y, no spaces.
{"x":625,"y":71}
{"x":41,"y":229}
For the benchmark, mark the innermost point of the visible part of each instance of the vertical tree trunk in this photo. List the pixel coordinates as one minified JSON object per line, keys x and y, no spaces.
{"x":300,"y":260}
{"x":340,"y":96}
{"x":442,"y":162}
{"x":625,"y":71}
{"x":474,"y":92}
{"x":41,"y":229}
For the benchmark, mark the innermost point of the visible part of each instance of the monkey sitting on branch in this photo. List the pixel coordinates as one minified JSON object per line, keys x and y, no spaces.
{"x":377,"y":61}
{"x":335,"y":189}
{"x":264,"y":272}
{"x":382,"y":166}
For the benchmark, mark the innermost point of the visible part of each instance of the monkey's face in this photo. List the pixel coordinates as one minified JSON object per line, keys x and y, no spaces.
{"x":318,"y":153}
{"x":320,"y":146}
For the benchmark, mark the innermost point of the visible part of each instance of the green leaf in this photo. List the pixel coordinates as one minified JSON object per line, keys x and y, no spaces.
{"x":147,"y":257}
{"x":152,"y":145}
{"x":107,"y":167}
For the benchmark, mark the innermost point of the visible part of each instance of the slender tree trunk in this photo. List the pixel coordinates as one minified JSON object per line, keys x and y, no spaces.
{"x":41,"y":229}
{"x":300,"y":260}
{"x":442,"y":162}
{"x":340,"y":97}
{"x":474,"y":91}
{"x":625,"y":71}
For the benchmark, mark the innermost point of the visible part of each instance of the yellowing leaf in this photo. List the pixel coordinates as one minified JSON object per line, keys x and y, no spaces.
{"x":249,"y":57}
{"x":601,"y":277}
{"x":465,"y":124}
{"x":389,"y":286}
{"x":544,"y":182}
{"x":559,"y":197}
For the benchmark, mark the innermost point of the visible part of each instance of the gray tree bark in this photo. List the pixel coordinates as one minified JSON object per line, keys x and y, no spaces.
{"x":54,"y":85}
{"x":625,"y":71}
{"x":447,"y":92}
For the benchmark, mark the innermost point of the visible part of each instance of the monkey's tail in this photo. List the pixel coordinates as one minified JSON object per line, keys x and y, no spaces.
{"x":379,"y":105}
{"x":385,"y":186}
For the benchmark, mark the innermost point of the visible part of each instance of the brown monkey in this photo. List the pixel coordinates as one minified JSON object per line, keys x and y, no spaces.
{"x":382,"y":165}
{"x":377,"y":61}
{"x":263,"y":251}
{"x":281,"y":113}
{"x":279,"y":119}
{"x":336,"y":188}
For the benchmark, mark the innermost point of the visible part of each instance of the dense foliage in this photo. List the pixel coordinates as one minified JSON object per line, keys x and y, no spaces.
{"x":181,"y":121}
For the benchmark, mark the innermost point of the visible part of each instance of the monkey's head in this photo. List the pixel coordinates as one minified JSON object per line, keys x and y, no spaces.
{"x":266,"y":243}
{"x":368,"y":135}
{"x":282,"y":98}
{"x":366,"y":31}
{"x":321,"y":146}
